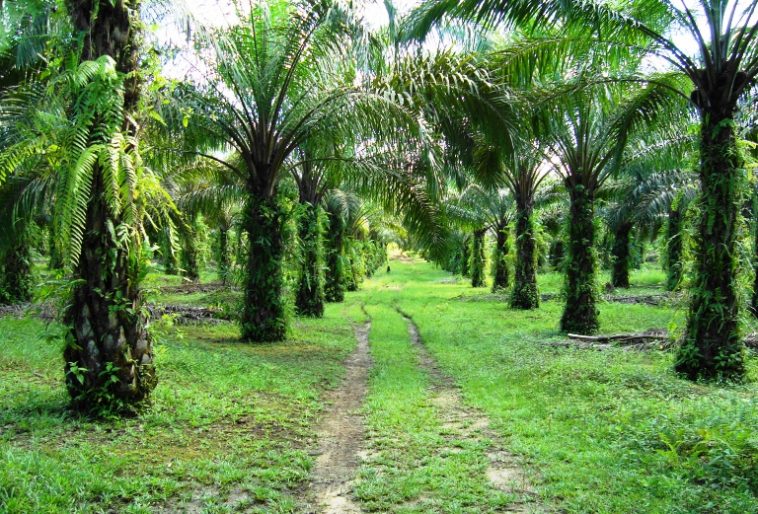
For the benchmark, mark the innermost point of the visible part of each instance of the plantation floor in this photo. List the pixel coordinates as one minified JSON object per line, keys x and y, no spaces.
{"x":418,"y":394}
{"x":341,"y":435}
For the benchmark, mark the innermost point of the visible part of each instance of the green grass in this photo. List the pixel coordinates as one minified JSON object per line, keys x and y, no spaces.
{"x":647,"y":280}
{"x":611,"y":431}
{"x":232,"y":425}
{"x":415,"y":464}
{"x":230,"y":428}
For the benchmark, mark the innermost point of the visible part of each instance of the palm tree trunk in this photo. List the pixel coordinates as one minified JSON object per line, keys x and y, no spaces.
{"x":525,"y":294}
{"x":580,"y":313}
{"x":477,"y":259}
{"x":240,"y":249}
{"x":334,"y":286}
{"x":674,"y":248}
{"x":16,"y":273}
{"x":108,"y":353}
{"x":501,"y":279}
{"x":557,"y":253}
{"x":620,"y":255}
{"x":466,"y":257}
{"x":711,"y":347}
{"x":754,"y":302}
{"x":190,"y":268}
{"x":223,"y":254}
{"x":263,"y":315}
{"x":309,"y":299}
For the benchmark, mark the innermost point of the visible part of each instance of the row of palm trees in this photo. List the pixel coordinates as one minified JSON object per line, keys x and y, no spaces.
{"x":95,"y":133}
{"x":713,"y":79}
{"x":301,"y":91}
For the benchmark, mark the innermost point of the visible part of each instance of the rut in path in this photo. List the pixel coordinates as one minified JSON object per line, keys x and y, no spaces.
{"x":503,"y":472}
{"x":341,"y":435}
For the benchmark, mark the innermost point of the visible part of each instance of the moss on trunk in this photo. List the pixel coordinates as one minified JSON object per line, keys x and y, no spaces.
{"x":580,"y":314}
{"x":711,"y":347}
{"x":525,"y":294}
{"x":620,"y":255}
{"x":334,"y":283}
{"x":309,"y":299}
{"x":263,"y":313}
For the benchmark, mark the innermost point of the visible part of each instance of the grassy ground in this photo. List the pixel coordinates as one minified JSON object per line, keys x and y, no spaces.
{"x":232,"y":427}
{"x":230,"y":430}
{"x":611,"y":431}
{"x":416,"y":462}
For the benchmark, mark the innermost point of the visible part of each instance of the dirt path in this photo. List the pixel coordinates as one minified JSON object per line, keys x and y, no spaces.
{"x":503,"y":472}
{"x":341,"y":436}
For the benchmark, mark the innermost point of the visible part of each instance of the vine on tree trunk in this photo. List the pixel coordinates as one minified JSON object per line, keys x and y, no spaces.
{"x":309,"y":299}
{"x":525,"y":294}
{"x":190,"y":268}
{"x":620,"y":255}
{"x":466,"y":257}
{"x":580,"y":314}
{"x":674,"y":247}
{"x":334,"y":285}
{"x":711,"y":347}
{"x":263,"y":313}
{"x":108,"y":354}
{"x":224,"y":264}
{"x":500,"y":277}
{"x":16,"y":273}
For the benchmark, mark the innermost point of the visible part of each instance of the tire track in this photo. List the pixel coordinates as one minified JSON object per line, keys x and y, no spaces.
{"x":341,"y":435}
{"x":504,"y":471}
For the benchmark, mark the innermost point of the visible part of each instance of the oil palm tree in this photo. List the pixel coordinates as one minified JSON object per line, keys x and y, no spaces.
{"x":521,"y":168}
{"x":84,"y":125}
{"x":349,"y":225}
{"x":312,"y":182}
{"x":15,"y":254}
{"x":589,"y":131}
{"x":279,"y":78}
{"x":24,"y":31}
{"x":721,"y":72}
{"x":487,"y":209}
{"x":336,"y":204}
{"x":653,"y":187}
{"x":525,"y":173}
{"x":677,"y":191}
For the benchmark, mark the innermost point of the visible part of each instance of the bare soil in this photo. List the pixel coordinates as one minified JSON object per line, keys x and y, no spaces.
{"x":341,"y":436}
